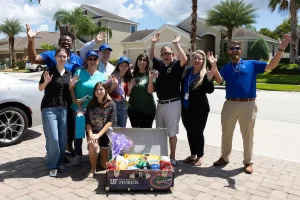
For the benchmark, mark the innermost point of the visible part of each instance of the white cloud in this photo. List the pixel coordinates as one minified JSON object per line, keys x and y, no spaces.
{"x":43,"y":27}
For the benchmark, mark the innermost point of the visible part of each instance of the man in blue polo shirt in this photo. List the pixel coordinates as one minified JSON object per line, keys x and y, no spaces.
{"x":104,"y":54}
{"x":240,"y":104}
{"x":48,"y":58}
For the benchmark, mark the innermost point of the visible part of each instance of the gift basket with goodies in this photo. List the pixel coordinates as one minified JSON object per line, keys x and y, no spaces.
{"x":139,"y":160}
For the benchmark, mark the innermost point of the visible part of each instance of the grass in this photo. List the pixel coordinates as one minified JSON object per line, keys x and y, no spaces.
{"x":278,"y":78}
{"x":15,"y":70}
{"x":278,"y":87}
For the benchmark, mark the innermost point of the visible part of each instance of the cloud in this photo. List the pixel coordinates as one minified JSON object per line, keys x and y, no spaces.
{"x":43,"y":27}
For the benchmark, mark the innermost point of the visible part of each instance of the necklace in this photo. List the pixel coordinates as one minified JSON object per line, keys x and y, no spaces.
{"x":234,"y":69}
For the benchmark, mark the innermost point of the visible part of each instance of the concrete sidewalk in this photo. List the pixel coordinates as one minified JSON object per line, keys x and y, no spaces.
{"x":23,"y":175}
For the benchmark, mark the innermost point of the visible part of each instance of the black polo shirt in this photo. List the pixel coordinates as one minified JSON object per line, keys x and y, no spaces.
{"x":57,"y":91}
{"x":168,"y":82}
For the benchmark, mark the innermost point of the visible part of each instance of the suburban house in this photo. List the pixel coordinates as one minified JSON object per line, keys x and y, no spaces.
{"x":21,"y":43}
{"x":121,"y":28}
{"x":209,"y":38}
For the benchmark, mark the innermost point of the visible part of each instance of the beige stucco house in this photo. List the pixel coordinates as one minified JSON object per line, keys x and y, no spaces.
{"x":121,"y":28}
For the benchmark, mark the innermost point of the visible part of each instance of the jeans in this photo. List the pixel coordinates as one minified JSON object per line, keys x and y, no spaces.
{"x":55,"y":129}
{"x":121,"y":107}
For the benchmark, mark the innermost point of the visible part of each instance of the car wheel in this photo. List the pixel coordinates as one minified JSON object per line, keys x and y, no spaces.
{"x":13,"y":124}
{"x":39,"y":68}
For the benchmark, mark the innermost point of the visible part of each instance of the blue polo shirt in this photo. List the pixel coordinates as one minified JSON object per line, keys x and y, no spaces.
{"x":240,"y":78}
{"x":85,"y":85}
{"x":72,"y":63}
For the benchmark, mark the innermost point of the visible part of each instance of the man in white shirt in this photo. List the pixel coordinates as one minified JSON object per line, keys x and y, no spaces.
{"x":104,"y":54}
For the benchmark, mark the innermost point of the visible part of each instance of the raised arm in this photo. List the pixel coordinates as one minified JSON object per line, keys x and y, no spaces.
{"x":152,"y":77}
{"x":181,"y":54}
{"x":152,"y":47}
{"x":90,"y":45}
{"x":282,"y":44}
{"x":32,"y":56}
{"x":214,"y":72}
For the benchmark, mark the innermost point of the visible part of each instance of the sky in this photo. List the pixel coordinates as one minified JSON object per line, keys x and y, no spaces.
{"x":150,"y":14}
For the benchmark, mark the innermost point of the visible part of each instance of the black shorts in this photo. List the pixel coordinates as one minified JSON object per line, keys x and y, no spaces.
{"x":103,"y":141}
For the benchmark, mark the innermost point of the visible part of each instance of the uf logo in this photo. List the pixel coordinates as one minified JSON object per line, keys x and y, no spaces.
{"x":113,"y":181}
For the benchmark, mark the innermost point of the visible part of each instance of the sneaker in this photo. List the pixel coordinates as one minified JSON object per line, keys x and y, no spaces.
{"x":173,"y":162}
{"x":77,"y":160}
{"x":61,"y":168}
{"x":53,"y":173}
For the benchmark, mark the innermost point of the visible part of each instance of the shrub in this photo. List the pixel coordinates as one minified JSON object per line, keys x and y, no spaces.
{"x":114,"y":62}
{"x":286,"y":69}
{"x":260,"y":50}
{"x":20,"y":64}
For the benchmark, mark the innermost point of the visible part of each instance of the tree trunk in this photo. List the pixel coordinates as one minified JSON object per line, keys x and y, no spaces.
{"x":193,"y":33}
{"x":229,"y":36}
{"x":294,"y":22}
{"x":11,"y":41}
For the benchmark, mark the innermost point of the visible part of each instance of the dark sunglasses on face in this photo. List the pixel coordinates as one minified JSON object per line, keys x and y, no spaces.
{"x":167,"y":53}
{"x":142,"y":59}
{"x":92,"y":59}
{"x":235,"y":48}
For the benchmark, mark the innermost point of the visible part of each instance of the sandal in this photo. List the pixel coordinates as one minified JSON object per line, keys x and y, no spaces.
{"x":190,"y":159}
{"x":53,"y":173}
{"x":198,"y":162}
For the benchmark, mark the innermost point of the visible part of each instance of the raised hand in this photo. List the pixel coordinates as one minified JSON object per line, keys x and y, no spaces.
{"x":73,"y":81}
{"x":131,"y":84}
{"x":30,"y":34}
{"x":282,"y":44}
{"x":152,"y":75}
{"x":100,"y":37}
{"x":177,"y":38}
{"x":47,"y":77}
{"x":114,"y":80}
{"x":212,"y":60}
{"x":212,"y":72}
{"x":155,"y":37}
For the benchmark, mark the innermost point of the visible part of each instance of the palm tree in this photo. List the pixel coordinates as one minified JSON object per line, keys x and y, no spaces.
{"x":231,"y":14}
{"x":11,"y":27}
{"x":79,"y":24}
{"x":291,"y":7}
{"x":193,"y":33}
{"x":94,"y":29}
{"x":30,"y":1}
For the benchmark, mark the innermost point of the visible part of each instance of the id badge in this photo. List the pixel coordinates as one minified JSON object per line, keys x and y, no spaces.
{"x":186,"y":96}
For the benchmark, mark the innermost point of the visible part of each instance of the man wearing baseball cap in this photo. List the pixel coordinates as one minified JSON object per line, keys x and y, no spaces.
{"x":104,"y":54}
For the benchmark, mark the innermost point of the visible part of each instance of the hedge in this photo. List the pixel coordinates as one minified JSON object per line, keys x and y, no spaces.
{"x":286,"y":69}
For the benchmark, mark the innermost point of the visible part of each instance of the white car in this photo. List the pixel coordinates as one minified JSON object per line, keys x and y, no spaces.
{"x":19,"y":108}
{"x":34,"y":67}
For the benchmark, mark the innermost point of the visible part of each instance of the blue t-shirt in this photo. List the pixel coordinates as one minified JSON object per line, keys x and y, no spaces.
{"x":85,"y":85}
{"x":72,"y":63}
{"x":240,"y":78}
{"x":187,"y":83}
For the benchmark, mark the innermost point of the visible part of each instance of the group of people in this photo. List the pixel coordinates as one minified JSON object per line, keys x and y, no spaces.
{"x":181,"y":90}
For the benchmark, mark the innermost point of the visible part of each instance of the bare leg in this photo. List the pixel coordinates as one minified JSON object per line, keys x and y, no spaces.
{"x":173,"y":142}
{"x":93,"y":159}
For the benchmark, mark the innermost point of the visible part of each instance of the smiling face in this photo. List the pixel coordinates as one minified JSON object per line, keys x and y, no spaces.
{"x":65,"y":42}
{"x":104,"y":55}
{"x":167,"y":55}
{"x":198,"y":60}
{"x":123,"y":67}
{"x":61,"y":57}
{"x":92,"y":61}
{"x":142,"y":63}
{"x":100,"y":92}
{"x":235,"y":51}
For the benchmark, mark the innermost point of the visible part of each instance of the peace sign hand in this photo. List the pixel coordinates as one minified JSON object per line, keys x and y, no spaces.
{"x":47,"y":77}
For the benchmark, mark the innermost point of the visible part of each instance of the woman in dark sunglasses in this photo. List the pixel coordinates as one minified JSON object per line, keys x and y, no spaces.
{"x":141,"y":111}
{"x":82,"y":86}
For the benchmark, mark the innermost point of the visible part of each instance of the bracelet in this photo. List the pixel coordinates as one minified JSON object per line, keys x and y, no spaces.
{"x":279,"y":49}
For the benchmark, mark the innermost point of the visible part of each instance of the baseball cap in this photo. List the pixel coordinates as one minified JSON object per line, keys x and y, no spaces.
{"x":104,"y":46}
{"x":92,"y":53}
{"x":123,"y":59}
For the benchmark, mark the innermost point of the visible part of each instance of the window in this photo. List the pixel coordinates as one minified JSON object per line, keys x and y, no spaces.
{"x":98,"y":23}
{"x":249,"y":45}
{"x":273,"y":50}
{"x":132,"y":28}
{"x":84,"y":12}
{"x":224,"y":48}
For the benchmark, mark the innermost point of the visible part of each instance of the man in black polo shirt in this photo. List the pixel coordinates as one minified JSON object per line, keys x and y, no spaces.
{"x":168,"y":89}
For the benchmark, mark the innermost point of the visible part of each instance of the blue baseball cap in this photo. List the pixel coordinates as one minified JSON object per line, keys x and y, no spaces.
{"x":92,"y":53}
{"x":104,"y":47}
{"x":123,"y":59}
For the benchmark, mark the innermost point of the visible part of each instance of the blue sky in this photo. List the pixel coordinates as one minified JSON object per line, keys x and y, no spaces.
{"x":150,"y":14}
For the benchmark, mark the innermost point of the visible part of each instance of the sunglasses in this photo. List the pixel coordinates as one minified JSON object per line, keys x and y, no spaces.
{"x":167,"y":53}
{"x":142,"y":59}
{"x":92,"y":59}
{"x":235,"y":48}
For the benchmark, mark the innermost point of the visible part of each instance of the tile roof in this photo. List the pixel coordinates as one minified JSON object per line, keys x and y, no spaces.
{"x":138,"y":35}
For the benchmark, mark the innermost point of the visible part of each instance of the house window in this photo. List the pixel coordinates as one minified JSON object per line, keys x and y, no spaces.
{"x":84,"y":12}
{"x":249,"y":45}
{"x":273,"y":50}
{"x":132,"y":28}
{"x":98,"y":23}
{"x":224,"y":48}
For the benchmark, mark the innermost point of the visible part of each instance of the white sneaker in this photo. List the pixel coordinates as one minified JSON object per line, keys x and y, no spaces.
{"x":77,"y":160}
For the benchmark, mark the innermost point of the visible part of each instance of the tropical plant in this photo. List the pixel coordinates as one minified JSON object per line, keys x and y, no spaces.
{"x":78,"y":23}
{"x":30,"y":1}
{"x":193,"y":33}
{"x":94,"y":30}
{"x":267,"y":32}
{"x":231,"y":14}
{"x":291,"y":7}
{"x":11,"y":27}
{"x":260,"y":50}
{"x":250,"y":26}
{"x":48,"y":47}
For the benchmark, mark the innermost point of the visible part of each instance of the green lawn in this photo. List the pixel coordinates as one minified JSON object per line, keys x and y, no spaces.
{"x":278,"y":79}
{"x":15,"y":70}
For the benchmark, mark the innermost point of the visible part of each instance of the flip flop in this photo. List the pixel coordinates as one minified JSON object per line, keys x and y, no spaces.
{"x":190,"y":159}
{"x":198,"y":162}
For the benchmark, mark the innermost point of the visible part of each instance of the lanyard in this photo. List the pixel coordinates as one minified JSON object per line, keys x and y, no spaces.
{"x":189,"y":83}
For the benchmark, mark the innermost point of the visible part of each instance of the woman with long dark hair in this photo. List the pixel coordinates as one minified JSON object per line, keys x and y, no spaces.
{"x":100,"y":115}
{"x":141,"y":111}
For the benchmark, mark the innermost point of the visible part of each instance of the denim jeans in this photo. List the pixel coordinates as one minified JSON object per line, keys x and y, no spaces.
{"x":55,"y":130}
{"x":121,"y":107}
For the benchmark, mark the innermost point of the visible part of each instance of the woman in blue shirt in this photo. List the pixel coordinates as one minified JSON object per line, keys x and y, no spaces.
{"x":86,"y":80}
